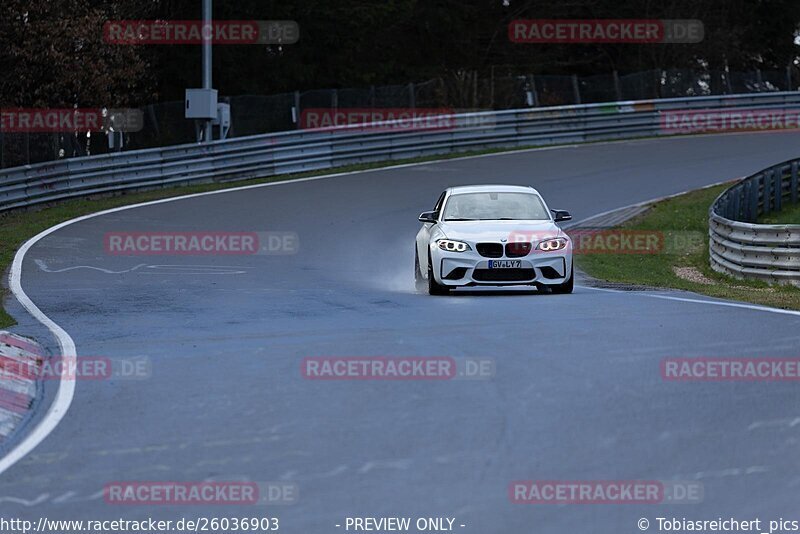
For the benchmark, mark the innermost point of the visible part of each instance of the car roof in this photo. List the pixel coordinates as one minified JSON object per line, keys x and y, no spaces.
{"x":491,"y":188}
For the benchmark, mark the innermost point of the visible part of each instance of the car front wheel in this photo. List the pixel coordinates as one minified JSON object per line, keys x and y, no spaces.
{"x":567,"y":286}
{"x":419,"y":281}
{"x":435,"y":288}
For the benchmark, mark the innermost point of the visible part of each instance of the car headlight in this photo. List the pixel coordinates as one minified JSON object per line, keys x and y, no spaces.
{"x":452,"y":246}
{"x":549,"y":245}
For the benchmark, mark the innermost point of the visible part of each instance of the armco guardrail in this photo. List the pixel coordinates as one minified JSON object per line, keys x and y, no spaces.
{"x":307,"y":150}
{"x":743,"y":249}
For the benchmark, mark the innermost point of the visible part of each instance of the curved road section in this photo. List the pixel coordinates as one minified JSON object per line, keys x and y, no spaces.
{"x":572,"y":390}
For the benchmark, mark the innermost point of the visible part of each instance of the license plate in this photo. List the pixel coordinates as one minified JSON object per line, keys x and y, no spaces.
{"x":505,"y":264}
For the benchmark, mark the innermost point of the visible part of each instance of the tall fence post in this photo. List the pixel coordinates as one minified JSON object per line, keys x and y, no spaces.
{"x":794,"y":182}
{"x":777,"y":187}
{"x":617,"y":87}
{"x":576,"y":88}
{"x":754,"y":199}
{"x":767,"y":194}
{"x":297,"y":108}
{"x":412,"y":97}
{"x":491,"y":88}
{"x":657,"y":85}
{"x":474,"y":88}
{"x":748,"y":197}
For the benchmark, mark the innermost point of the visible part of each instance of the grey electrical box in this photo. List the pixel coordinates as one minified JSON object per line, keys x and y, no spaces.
{"x":201,"y":104}
{"x":223,"y":117}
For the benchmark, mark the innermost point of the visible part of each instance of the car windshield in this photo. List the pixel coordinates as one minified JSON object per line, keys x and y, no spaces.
{"x":491,"y":206}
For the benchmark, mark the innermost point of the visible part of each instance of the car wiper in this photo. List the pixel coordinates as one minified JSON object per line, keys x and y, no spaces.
{"x":460,"y":219}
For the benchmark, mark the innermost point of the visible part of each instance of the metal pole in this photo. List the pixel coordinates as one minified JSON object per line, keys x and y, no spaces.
{"x":576,"y":88}
{"x":535,"y":92}
{"x":207,"y":35}
{"x":297,"y":113}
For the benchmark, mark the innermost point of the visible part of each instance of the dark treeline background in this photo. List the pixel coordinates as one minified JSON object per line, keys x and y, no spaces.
{"x":52,"y":52}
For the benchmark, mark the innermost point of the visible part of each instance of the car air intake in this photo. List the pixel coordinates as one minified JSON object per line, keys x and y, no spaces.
{"x":503,"y":275}
{"x":456,"y":274}
{"x":490,"y":250}
{"x":517,"y":250}
{"x":550,"y":273}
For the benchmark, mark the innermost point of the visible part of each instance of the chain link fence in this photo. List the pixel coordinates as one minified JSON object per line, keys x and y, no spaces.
{"x":164,"y":123}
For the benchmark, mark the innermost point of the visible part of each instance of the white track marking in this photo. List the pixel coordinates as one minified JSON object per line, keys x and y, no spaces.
{"x":43,"y":266}
{"x":700,"y":301}
{"x":66,"y":388}
{"x":152,"y":269}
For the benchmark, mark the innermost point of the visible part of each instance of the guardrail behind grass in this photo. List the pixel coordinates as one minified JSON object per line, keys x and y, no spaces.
{"x":313,"y":150}
{"x":741,"y":248}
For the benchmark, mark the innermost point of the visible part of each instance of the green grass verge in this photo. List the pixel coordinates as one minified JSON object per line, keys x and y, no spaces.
{"x":790,"y":214}
{"x":18,"y":226}
{"x":678,"y":217}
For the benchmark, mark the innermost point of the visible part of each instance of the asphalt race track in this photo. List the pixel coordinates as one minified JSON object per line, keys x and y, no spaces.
{"x":577,"y":393}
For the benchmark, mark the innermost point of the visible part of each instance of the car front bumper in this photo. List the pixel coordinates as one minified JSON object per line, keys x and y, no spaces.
{"x":454,"y":269}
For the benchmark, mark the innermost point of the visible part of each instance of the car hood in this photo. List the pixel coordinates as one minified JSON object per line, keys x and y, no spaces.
{"x":497,"y":231}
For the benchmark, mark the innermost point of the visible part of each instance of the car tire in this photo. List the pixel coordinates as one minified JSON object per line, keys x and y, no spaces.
{"x":567,"y":286}
{"x":434,"y":287}
{"x":419,"y":281}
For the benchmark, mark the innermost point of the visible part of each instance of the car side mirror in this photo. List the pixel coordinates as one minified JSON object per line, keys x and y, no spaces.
{"x":561,"y":215}
{"x":427,"y":217}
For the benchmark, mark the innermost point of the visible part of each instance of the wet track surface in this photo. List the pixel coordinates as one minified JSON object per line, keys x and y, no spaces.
{"x":577,"y":393}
